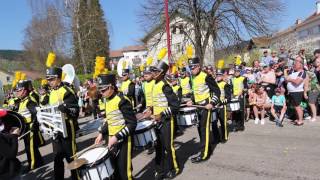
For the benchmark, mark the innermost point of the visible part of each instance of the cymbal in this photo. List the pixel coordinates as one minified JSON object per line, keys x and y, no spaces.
{"x":77,"y":163}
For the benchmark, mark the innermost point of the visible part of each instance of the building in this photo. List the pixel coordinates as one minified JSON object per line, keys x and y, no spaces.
{"x":156,"y":39}
{"x":137,"y":54}
{"x":6,"y":77}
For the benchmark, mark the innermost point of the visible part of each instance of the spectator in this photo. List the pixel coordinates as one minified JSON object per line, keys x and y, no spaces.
{"x":317,"y":68}
{"x":249,"y":75}
{"x":251,"y":94}
{"x":278,"y":106}
{"x":312,"y":93}
{"x":260,"y":104}
{"x":268,"y":80}
{"x":274,"y":57}
{"x":266,"y":59}
{"x":283,"y":55}
{"x":295,"y":87}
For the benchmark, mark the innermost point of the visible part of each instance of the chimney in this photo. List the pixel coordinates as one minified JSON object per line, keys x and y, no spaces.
{"x":318,"y":7}
{"x":298,"y":21}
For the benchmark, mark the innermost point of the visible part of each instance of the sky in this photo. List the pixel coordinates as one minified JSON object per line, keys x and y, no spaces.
{"x":122,"y":19}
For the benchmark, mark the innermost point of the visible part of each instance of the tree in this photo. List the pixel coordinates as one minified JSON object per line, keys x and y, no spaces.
{"x":90,"y":37}
{"x":220,"y":22}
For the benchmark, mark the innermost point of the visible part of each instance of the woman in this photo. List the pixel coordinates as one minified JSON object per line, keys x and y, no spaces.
{"x":261,"y":102}
{"x":311,"y":93}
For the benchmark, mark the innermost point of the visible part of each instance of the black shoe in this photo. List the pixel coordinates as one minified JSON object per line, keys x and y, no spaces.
{"x":158,"y":176}
{"x":171,"y":174}
{"x":150,"y":150}
{"x":198,"y":159}
{"x":241,"y":128}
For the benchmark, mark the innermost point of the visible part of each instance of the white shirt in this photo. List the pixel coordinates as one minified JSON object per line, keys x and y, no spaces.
{"x":296,"y":87}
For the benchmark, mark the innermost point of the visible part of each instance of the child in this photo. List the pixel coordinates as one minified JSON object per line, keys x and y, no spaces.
{"x":278,"y":107}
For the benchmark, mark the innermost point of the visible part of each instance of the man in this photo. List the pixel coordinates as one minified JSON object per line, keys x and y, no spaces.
{"x":165,"y":104}
{"x":283,"y":55}
{"x":203,"y":86}
{"x":185,"y":83}
{"x":63,"y":148}
{"x":147,"y":87}
{"x":119,"y":126}
{"x":266,"y":59}
{"x":274,"y":57}
{"x":295,"y":85}
{"x":33,"y":140}
{"x":239,"y":85}
{"x":225,"y":96}
{"x":127,"y":86}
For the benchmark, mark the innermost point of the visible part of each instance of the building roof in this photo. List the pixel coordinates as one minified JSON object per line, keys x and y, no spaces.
{"x":134,"y":48}
{"x":33,"y":75}
{"x":262,"y":41}
{"x":116,"y":53}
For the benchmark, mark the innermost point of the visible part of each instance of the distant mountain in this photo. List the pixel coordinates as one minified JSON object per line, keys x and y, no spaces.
{"x":11,"y":54}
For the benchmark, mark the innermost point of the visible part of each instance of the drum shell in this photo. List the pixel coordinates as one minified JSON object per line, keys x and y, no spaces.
{"x":234,"y":105}
{"x":187,"y":117}
{"x":144,"y":137}
{"x":13,"y":119}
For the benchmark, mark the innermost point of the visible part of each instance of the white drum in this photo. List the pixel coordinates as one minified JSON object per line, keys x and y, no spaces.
{"x":102,"y":168}
{"x":187,"y":116}
{"x":145,"y":135}
{"x":234,"y":105}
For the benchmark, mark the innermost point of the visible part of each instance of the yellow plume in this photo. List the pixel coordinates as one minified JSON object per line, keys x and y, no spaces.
{"x":149,"y":61}
{"x":162,"y":53}
{"x":105,"y":71}
{"x":50,"y":59}
{"x":14,"y":83}
{"x":189,"y":50}
{"x":141,"y":67}
{"x":100,"y":66}
{"x":23,"y":76}
{"x":124,"y":64}
{"x":17,"y":75}
{"x":238,"y":60}
{"x":173,"y":69}
{"x":220,"y":64}
{"x":44,"y":82}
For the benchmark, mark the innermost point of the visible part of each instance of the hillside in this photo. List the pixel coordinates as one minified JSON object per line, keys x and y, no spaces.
{"x":11,"y":54}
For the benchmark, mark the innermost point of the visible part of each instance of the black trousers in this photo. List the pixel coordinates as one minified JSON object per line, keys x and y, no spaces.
{"x":204,"y":132}
{"x":122,"y":162}
{"x":238,"y":116}
{"x":64,"y":148}
{"x":164,"y":147}
{"x":32,"y":143}
{"x":222,"y":117}
{"x":216,"y":138}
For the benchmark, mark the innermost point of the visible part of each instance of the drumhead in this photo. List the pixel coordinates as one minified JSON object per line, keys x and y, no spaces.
{"x":187,"y":109}
{"x":143,"y":126}
{"x":92,"y":154}
{"x":13,"y":119}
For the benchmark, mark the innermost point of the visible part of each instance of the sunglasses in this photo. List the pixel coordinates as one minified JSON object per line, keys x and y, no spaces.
{"x":105,"y":89}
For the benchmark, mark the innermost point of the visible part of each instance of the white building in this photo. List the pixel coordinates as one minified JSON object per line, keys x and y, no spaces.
{"x":156,"y":39}
{"x":137,"y":54}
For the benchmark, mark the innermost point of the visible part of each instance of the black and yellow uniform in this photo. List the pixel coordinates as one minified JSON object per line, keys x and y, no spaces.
{"x":225,"y":97}
{"x":186,"y":87}
{"x":178,"y":91}
{"x":128,"y":89}
{"x":147,"y":88}
{"x":205,"y":90}
{"x":239,"y":84}
{"x":165,"y":103}
{"x":13,"y":103}
{"x":65,"y":147}
{"x":44,"y":98}
{"x":35,"y":96}
{"x":34,"y":139}
{"x":121,"y":122}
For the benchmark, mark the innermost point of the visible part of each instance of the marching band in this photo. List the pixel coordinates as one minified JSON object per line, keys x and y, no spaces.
{"x":187,"y":97}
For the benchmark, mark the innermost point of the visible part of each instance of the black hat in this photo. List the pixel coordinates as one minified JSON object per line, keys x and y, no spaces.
{"x":106,"y":79}
{"x":148,"y":69}
{"x":194,"y":61}
{"x":183,"y":70}
{"x":125,"y":72}
{"x":237,"y":68}
{"x":220,"y":72}
{"x":162,"y":66}
{"x":54,"y":72}
{"x":24,"y":84}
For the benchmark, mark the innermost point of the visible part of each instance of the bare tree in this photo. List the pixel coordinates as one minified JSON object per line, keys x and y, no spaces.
{"x":218,"y":23}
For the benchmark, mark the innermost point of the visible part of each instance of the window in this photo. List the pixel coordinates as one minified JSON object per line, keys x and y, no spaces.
{"x":8,"y":79}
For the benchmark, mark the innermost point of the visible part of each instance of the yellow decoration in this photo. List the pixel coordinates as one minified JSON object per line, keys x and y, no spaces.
{"x":237,"y":60}
{"x":23,"y":76}
{"x":162,"y":53}
{"x":173,"y":69}
{"x":100,"y":66}
{"x":149,"y":61}
{"x":50,"y":59}
{"x":14,"y":83}
{"x":124,"y":64}
{"x":189,"y":50}
{"x":220,"y":64}
{"x":17,"y":75}
{"x":44,"y":82}
{"x":105,"y":71}
{"x":141,"y":67}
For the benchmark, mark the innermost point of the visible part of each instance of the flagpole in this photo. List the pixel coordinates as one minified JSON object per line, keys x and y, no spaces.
{"x":168,"y":30}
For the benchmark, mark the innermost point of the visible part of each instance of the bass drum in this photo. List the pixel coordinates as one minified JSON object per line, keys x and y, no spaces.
{"x":12,"y":119}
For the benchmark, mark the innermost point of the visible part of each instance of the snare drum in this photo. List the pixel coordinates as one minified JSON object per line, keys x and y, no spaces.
{"x":101,"y":169}
{"x":145,"y":134}
{"x":187,"y":116}
{"x":234,"y":105}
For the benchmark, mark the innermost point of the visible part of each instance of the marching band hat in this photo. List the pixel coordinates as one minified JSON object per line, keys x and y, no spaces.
{"x":54,"y":72}
{"x":24,"y":84}
{"x":237,"y":68}
{"x":148,"y":69}
{"x":220,"y":72}
{"x":162,"y":66}
{"x":194,"y":61}
{"x":125,"y":72}
{"x":105,"y":80}
{"x":183,"y":70}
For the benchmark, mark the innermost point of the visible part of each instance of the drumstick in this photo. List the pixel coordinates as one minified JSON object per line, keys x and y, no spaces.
{"x":23,"y":135}
{"x":98,"y":157}
{"x":139,"y":106}
{"x":84,"y":150}
{"x":197,"y":106}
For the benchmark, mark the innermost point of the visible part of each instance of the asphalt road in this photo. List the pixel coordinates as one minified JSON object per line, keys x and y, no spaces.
{"x":261,"y":152}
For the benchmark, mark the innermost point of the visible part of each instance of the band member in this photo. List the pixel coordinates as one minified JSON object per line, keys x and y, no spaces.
{"x":185,"y":83}
{"x":239,"y":85}
{"x":120,"y":125}
{"x":203,"y":86}
{"x":127,"y":86}
{"x":165,"y":104}
{"x":225,"y":96}
{"x":63,"y":148}
{"x":34,"y":139}
{"x":44,"y":93}
{"x":9,"y":164}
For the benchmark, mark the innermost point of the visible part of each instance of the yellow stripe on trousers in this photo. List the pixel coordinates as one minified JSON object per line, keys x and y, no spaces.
{"x":129,"y":173}
{"x":74,"y":148}
{"x":206,"y":149}
{"x":41,"y":138}
{"x":31,"y":143}
{"x":225,"y":122}
{"x":173,"y":151}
